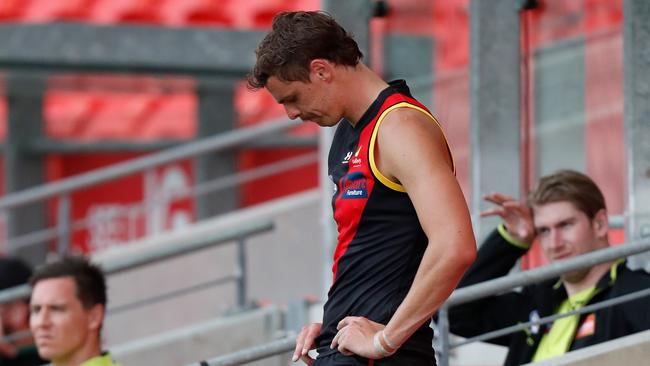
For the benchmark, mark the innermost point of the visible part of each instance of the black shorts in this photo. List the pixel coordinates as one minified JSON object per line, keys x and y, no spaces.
{"x":401,"y":358}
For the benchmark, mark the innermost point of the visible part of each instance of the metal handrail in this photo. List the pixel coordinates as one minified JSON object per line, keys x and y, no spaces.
{"x":253,"y":353}
{"x":552,"y":270}
{"x":63,"y":188}
{"x":158,"y":254}
{"x":551,"y":318}
{"x":40,"y":236}
{"x":219,"y":142}
{"x":468,"y":294}
{"x":173,"y":294}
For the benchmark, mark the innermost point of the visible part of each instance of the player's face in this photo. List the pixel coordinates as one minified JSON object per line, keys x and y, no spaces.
{"x":60,"y":324}
{"x":308,"y":101}
{"x":565,"y":232}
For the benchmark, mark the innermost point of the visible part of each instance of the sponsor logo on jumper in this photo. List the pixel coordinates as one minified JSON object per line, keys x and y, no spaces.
{"x":356,"y":161}
{"x":588,"y":327}
{"x":354,"y":185}
{"x":347,"y":157}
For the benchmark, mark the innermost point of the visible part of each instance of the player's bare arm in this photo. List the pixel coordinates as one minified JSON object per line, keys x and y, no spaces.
{"x":411,"y":150}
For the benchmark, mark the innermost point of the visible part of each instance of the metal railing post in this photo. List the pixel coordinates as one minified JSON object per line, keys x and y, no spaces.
{"x":241,"y":272}
{"x":4,"y":235}
{"x":63,"y":218}
{"x":151,"y":196}
{"x":443,"y":328}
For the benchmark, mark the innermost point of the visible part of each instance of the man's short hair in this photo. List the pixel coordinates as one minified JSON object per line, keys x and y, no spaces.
{"x":88,"y":278}
{"x":297,"y":38}
{"x":572,"y":186}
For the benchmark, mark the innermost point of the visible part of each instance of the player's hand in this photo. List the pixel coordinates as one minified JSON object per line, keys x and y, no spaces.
{"x":517,"y":216}
{"x":355,"y":336}
{"x":305,"y":343}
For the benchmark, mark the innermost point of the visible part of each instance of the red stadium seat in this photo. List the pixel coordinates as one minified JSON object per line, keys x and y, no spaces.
{"x":262,"y":12}
{"x":142,"y":12}
{"x":108,"y":12}
{"x":73,"y":10}
{"x":209,"y":13}
{"x":13,"y":10}
{"x":114,"y":120}
{"x":42,"y":11}
{"x":169,"y":117}
{"x":68,"y":113}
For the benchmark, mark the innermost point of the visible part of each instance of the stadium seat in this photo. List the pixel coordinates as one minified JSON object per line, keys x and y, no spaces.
{"x":262,"y":12}
{"x":169,"y":117}
{"x":142,"y":12}
{"x":108,"y":12}
{"x":68,"y":113}
{"x":72,"y":10}
{"x":13,"y":10}
{"x":115,"y":120}
{"x":209,"y":13}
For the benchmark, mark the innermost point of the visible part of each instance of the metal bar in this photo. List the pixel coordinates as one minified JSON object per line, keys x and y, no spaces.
{"x":284,"y":141}
{"x":477,"y":291}
{"x":172,"y":294}
{"x":151,"y":203}
{"x":14,"y":293}
{"x":215,"y":105}
{"x":187,"y":246}
{"x":636,"y":61}
{"x":552,"y":318}
{"x":329,"y":230}
{"x":252,"y":354}
{"x":196,"y":51}
{"x":616,"y":221}
{"x":16,"y":336}
{"x":210,"y":144}
{"x":35,"y":237}
{"x":252,"y":174}
{"x":241,"y":273}
{"x":217,"y":184}
{"x":24,"y":121}
{"x":51,"y":146}
{"x":494,"y":105}
{"x":63,"y":217}
{"x":158,"y":254}
{"x":445,"y":344}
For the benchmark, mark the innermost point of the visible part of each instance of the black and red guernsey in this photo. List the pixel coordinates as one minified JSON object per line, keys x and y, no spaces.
{"x":380,"y":240}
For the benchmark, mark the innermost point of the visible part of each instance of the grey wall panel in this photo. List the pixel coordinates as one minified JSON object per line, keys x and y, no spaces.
{"x":560,"y":107}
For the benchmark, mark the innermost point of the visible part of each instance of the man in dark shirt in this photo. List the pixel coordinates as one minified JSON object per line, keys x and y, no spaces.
{"x":567,"y":214}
